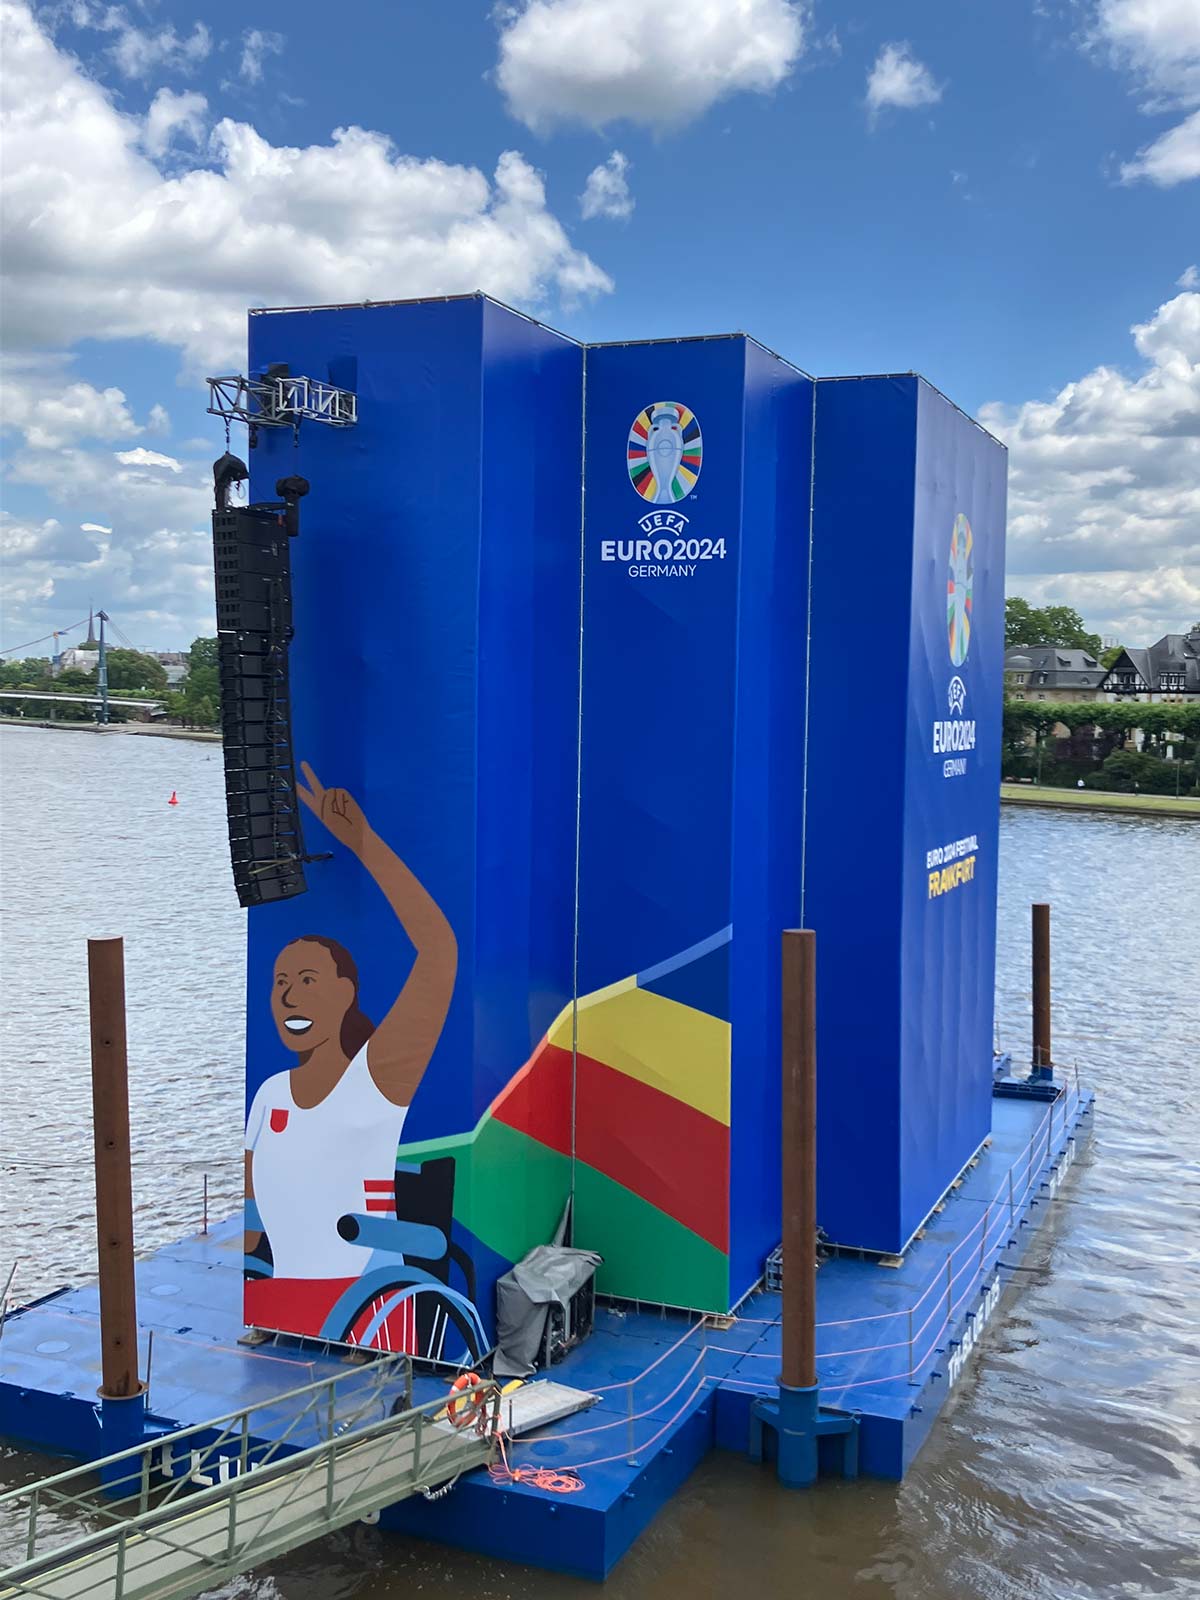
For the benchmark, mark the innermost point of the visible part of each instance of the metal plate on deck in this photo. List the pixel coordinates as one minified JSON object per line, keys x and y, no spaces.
{"x":536,"y":1405}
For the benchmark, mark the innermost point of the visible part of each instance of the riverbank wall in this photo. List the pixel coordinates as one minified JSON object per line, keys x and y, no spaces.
{"x":149,"y":729}
{"x":1145,"y":805}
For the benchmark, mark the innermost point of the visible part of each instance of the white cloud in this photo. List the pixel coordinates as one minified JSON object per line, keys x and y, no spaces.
{"x":172,"y":117}
{"x":1189,"y":278}
{"x":1126,"y":604}
{"x":1104,"y":485}
{"x":133,"y":537}
{"x":159,"y":420}
{"x":1173,"y":158}
{"x":594,"y":61}
{"x":256,"y":45}
{"x":898,"y":79}
{"x":99,"y":244}
{"x":147,"y":458}
{"x":606,"y":192}
{"x":1158,"y":41}
{"x":138,"y":52}
{"x":50,"y":410}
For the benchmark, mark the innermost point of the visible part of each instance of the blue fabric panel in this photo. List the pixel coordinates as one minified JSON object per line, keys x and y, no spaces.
{"x":768,"y":775}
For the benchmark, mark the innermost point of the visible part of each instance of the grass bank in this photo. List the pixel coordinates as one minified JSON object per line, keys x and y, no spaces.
{"x":1151,"y":805}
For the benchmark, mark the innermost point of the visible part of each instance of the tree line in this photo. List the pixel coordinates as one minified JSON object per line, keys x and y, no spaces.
{"x":1095,"y":753}
{"x":195,"y":702}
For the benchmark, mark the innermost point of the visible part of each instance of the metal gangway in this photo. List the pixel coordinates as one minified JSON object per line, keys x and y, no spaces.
{"x":185,"y":1511}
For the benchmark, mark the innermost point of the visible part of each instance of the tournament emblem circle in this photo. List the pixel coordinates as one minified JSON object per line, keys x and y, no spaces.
{"x":664,"y":452}
{"x":960,"y":581}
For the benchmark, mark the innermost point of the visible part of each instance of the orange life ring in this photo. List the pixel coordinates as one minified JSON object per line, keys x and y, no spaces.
{"x":466,"y":1402}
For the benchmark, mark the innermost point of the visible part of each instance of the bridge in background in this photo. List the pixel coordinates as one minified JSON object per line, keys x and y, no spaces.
{"x":81,"y":699}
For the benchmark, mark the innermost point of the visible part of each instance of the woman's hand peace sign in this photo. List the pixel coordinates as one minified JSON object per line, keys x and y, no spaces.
{"x":337,"y":809}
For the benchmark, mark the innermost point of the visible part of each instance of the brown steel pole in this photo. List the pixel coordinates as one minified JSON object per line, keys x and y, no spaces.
{"x":114,"y":1183}
{"x":1042,"y":1060}
{"x":799,"y":1159}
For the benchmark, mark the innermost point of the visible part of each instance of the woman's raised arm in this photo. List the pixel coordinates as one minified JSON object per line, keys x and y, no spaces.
{"x":401,"y":1046}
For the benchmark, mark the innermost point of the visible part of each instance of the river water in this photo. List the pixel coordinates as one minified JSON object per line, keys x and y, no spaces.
{"x":1068,"y":1466}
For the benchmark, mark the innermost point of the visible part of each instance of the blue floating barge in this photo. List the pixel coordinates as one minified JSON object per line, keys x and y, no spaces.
{"x":892,"y":1342}
{"x":497,"y":980}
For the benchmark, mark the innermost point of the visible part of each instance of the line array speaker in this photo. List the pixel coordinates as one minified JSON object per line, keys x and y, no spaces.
{"x":252,"y":558}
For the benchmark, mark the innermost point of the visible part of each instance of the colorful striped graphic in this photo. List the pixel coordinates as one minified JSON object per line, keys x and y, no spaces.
{"x":650,"y":1114}
{"x":664,"y":452}
{"x":960,"y":580}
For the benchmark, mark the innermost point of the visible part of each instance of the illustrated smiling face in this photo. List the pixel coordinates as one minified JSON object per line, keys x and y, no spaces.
{"x":309,"y":1000}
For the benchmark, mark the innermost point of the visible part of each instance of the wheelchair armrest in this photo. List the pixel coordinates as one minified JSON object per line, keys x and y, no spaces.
{"x":393,"y":1235}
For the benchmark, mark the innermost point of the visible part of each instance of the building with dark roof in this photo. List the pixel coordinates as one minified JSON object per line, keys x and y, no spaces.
{"x":1050,"y":672}
{"x":1168,"y":670}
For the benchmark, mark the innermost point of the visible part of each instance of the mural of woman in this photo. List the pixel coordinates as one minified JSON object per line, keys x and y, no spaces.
{"x":321,"y":1137}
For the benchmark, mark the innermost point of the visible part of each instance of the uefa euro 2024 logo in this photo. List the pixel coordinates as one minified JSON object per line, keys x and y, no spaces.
{"x":954,"y":737}
{"x":664,"y":452}
{"x":960,"y":579}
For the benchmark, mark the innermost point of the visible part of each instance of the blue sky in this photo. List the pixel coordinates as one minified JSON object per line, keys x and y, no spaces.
{"x":1004,"y":197}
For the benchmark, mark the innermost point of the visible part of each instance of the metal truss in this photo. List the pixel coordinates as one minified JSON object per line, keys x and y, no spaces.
{"x":281,"y":401}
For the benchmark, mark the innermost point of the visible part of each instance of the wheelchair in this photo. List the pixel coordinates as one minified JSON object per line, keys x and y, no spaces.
{"x":406,"y":1283}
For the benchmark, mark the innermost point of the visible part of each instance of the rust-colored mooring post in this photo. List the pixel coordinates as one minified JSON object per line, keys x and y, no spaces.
{"x":121,"y":1391}
{"x":1042,"y":1061}
{"x":795,"y":1418}
{"x":798,"y":1394}
{"x":799,"y":1158}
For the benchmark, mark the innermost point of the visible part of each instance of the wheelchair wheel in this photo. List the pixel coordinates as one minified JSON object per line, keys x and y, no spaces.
{"x":418,"y":1325}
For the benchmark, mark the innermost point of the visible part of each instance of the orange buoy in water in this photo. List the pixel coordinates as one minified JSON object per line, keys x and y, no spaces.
{"x":174,"y":800}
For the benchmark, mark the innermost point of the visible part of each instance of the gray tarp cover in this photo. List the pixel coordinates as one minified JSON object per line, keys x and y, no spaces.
{"x":550,"y":1274}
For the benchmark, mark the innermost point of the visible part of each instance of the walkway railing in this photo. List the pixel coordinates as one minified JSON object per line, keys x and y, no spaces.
{"x":182,"y":1513}
{"x":915,"y":1331}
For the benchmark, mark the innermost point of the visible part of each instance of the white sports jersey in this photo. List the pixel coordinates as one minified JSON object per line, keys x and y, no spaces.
{"x":313,"y":1166}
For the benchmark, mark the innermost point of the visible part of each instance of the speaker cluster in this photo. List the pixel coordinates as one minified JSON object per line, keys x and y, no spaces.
{"x":252,"y":561}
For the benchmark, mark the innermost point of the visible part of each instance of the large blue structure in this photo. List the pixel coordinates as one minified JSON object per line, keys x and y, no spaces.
{"x":436,"y":587}
{"x":902,"y":836}
{"x":697,"y":469}
{"x":610,"y":664}
{"x":576,"y":639}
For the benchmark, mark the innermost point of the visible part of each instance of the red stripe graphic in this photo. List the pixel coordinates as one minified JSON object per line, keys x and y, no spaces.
{"x":661,"y":1149}
{"x":658,"y":1147}
{"x":538,"y":1100}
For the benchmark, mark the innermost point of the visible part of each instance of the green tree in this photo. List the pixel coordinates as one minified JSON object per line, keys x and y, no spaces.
{"x":75,"y":678}
{"x":130,"y":669}
{"x":203,"y":653}
{"x":1055,"y":625}
{"x":1107,"y":657}
{"x":203,"y":712}
{"x":203,"y":679}
{"x":1017,"y":613}
{"x":23,"y":674}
